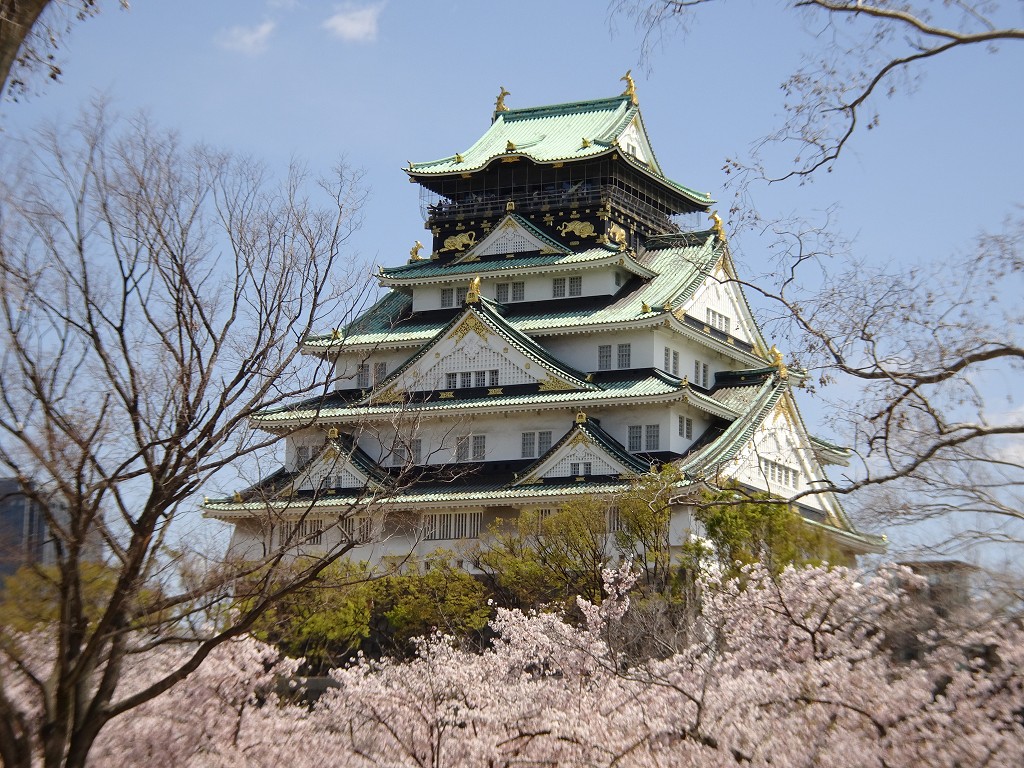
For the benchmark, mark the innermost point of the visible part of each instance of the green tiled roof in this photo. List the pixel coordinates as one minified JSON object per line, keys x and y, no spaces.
{"x":552,"y":134}
{"x":418,"y":270}
{"x":633,"y":389}
{"x":469,"y":494}
{"x":680,"y":270}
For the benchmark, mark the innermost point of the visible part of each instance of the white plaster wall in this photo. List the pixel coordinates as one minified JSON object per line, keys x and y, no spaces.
{"x":596,"y":282}
{"x":720,"y":294}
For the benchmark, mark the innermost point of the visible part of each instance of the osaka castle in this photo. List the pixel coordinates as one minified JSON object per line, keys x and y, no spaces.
{"x":573,"y":323}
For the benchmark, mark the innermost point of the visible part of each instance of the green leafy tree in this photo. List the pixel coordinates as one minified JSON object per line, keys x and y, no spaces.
{"x":442,"y":598}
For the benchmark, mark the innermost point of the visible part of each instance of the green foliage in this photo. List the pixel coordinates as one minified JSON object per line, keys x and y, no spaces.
{"x":645,"y":512}
{"x":745,"y":527}
{"x":32,"y":595}
{"x":536,"y":561}
{"x":327,"y":621}
{"x":442,"y":598}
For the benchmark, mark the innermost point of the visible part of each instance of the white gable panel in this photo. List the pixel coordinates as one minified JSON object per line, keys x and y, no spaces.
{"x":631,"y":141}
{"x":580,"y":454}
{"x":331,"y":470}
{"x":508,"y":237}
{"x":720,"y":294}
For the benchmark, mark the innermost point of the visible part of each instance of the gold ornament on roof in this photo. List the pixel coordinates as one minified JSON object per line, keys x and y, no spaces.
{"x":509,"y":146}
{"x":581,"y":418}
{"x":630,"y":86}
{"x":645,"y":307}
{"x":460,"y":242}
{"x":586,"y":142}
{"x":717,"y":225}
{"x":332,"y":433}
{"x":777,"y":362}
{"x":414,"y":252}
{"x":473,"y":294}
{"x":237,"y":497}
{"x":458,"y":158}
{"x":499,"y":103}
{"x":617,"y":235}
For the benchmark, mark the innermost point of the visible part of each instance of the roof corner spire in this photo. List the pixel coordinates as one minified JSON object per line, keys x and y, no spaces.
{"x":630,"y":86}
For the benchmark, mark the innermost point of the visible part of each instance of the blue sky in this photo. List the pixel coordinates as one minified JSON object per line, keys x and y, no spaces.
{"x":387,"y":82}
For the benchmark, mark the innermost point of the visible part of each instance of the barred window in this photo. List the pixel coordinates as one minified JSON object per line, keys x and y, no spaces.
{"x":576,"y":286}
{"x":466,"y":379}
{"x":301,"y":455}
{"x":581,"y":468}
{"x":700,"y":373}
{"x":480,"y":378}
{"x":780,"y":473}
{"x":479,"y":447}
{"x":604,"y":357}
{"x":460,"y":295}
{"x":501,"y":292}
{"x":558,"y":288}
{"x":493,"y":378}
{"x":302,"y":532}
{"x":529,"y":445}
{"x":624,"y":355}
{"x":363,"y":375}
{"x":442,"y":526}
{"x":635,"y":437}
{"x":686,"y":427}
{"x":416,"y":450}
{"x":675,"y":363}
{"x":380,"y":372}
{"x":652,"y":435}
{"x":451,"y":380}
{"x":447,"y":297}
{"x":668,"y":360}
{"x":518,"y":291}
{"x":399,"y":456}
{"x":543,"y":442}
{"x":614,"y":516}
{"x":719,"y":321}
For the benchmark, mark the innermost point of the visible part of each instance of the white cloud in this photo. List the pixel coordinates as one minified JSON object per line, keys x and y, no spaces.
{"x":355,"y":24}
{"x":248,"y":40}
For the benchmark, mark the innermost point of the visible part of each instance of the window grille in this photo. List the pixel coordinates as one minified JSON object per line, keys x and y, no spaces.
{"x":480,"y":378}
{"x":780,"y":473}
{"x":380,"y":372}
{"x":719,"y":321}
{"x":462,"y":449}
{"x":576,"y":286}
{"x":652,"y":435}
{"x":301,"y":455}
{"x":451,"y":525}
{"x":466,"y":379}
{"x":529,"y":445}
{"x":493,"y":377}
{"x":447,"y":297}
{"x":614,"y":520}
{"x":451,"y":380}
{"x":700,"y":373}
{"x":501,"y":292}
{"x":581,"y":468}
{"x":543,"y":442}
{"x":479,"y":447}
{"x":604,"y":357}
{"x":686,"y":427}
{"x":635,"y":438}
{"x":416,"y":450}
{"x":675,"y":363}
{"x":399,"y":456}
{"x":460,"y":295}
{"x":558,"y":288}
{"x":363,"y":375}
{"x":624,"y":355}
{"x":301,"y":533}
{"x":518,"y":291}
{"x":668,"y":360}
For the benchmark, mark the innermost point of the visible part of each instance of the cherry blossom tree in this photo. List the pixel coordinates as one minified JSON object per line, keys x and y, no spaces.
{"x":790,"y":669}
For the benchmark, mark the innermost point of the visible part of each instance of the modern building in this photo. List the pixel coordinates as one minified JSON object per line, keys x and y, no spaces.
{"x":574,"y":323}
{"x":24,"y":534}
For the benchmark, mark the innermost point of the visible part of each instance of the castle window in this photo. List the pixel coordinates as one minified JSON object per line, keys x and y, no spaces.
{"x":576,"y":286}
{"x":447,"y":297}
{"x":636,"y":433}
{"x":399,"y":456}
{"x":614,"y":520}
{"x":302,"y":533}
{"x":301,"y":455}
{"x":480,"y":378}
{"x":624,"y":355}
{"x":558,"y":288}
{"x":604,"y":357}
{"x":363,"y":375}
{"x":581,"y":468}
{"x":700,"y":374}
{"x":534,"y":444}
{"x":675,"y":363}
{"x":686,"y":427}
{"x":493,"y":378}
{"x":380,"y":372}
{"x":780,"y":473}
{"x":460,"y":296}
{"x":479,"y":447}
{"x":451,"y":380}
{"x":466,"y":379}
{"x":652,"y":434}
{"x":518,"y":291}
{"x":668,"y":360}
{"x":416,"y":450}
{"x":719,"y":321}
{"x":503,"y":292}
{"x":442,"y":526}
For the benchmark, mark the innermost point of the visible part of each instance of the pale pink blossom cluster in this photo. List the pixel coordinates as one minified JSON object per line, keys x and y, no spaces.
{"x":797,"y":669}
